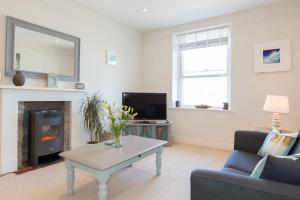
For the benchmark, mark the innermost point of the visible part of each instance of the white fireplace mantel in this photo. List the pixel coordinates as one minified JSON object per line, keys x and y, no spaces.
{"x":9,"y":98}
{"x":40,"y":88}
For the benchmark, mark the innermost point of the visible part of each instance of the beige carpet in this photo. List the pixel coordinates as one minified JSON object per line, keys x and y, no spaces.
{"x":136,"y":183}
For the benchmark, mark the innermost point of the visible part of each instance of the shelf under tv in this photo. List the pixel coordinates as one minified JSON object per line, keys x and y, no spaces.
{"x":158,"y":129}
{"x":149,"y":122}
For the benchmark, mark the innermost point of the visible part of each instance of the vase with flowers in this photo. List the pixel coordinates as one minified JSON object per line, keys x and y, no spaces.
{"x":118,"y":116}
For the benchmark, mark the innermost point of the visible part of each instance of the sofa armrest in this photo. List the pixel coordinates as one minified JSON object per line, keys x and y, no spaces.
{"x":249,"y":141}
{"x":215,"y":185}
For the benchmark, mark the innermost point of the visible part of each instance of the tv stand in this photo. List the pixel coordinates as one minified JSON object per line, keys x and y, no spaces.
{"x":149,"y":122}
{"x":160,"y":129}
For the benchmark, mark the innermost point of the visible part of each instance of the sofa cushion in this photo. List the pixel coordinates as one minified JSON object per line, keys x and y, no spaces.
{"x":242,"y":161}
{"x":285,"y":170}
{"x":259,"y":168}
{"x":278,"y":144}
{"x":261,"y":164}
{"x":234,"y":171}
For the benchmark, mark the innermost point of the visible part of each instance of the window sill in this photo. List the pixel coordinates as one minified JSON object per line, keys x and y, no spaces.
{"x":213,"y":109}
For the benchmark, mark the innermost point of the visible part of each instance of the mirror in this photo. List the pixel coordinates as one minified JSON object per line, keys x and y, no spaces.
{"x":38,"y":51}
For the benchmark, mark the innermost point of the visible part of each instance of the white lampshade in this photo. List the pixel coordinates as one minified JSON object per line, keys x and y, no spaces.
{"x":277,"y":104}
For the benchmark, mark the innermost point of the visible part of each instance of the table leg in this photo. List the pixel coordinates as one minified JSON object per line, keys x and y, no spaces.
{"x":158,"y":162}
{"x":102,"y":179}
{"x":70,"y":178}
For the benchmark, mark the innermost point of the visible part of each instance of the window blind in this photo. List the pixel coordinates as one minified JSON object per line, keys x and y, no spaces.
{"x":202,"y":39}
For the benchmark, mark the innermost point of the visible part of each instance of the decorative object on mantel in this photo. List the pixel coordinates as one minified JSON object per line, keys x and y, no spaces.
{"x":202,"y":106}
{"x":272,"y":56}
{"x":80,"y":86}
{"x":93,"y":116}
{"x":18,"y":78}
{"x":51,"y":80}
{"x":276,"y":105}
{"x":111,"y":58}
{"x":118,"y":116}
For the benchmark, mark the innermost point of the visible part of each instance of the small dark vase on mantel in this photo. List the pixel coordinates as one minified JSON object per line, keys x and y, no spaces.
{"x":18,"y":79}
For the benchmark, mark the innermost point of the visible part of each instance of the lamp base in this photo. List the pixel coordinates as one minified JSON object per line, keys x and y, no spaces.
{"x":276,"y":120}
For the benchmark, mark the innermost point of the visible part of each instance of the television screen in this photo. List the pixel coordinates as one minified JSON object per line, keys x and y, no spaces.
{"x":149,"y":106}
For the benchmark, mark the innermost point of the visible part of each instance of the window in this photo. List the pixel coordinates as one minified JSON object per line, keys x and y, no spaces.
{"x":202,"y":67}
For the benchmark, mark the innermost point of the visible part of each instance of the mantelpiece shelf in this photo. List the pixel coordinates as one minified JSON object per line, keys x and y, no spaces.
{"x":40,"y":88}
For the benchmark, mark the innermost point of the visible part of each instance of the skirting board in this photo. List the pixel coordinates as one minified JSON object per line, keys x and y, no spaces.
{"x":205,"y":143}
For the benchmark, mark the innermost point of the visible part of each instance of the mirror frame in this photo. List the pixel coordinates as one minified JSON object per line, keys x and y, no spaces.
{"x":11,"y":23}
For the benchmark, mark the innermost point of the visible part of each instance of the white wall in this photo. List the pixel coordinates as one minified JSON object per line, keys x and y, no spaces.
{"x":97,"y":34}
{"x":248,"y":89}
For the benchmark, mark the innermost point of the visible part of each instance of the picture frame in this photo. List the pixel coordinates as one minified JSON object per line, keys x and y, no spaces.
{"x":111,"y":58}
{"x":272,"y":56}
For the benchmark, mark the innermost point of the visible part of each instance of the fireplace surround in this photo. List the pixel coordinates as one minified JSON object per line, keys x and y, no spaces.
{"x":10,"y":99}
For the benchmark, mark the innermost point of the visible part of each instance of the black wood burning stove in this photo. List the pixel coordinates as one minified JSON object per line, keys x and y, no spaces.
{"x":45,"y":136}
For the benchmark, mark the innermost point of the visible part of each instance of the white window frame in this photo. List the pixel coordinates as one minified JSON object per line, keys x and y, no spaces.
{"x":177,"y":67}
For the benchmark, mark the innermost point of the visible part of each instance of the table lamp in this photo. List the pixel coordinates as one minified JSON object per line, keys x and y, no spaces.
{"x":276,"y":104}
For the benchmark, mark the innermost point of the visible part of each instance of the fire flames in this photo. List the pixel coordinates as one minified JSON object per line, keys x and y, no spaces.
{"x":47,"y":138}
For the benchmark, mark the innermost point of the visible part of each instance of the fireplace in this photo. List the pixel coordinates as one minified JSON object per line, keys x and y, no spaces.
{"x":17,"y":103}
{"x":46,"y":136}
{"x":43,"y":132}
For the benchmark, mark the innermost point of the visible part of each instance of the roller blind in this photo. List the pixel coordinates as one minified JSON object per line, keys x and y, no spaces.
{"x":202,"y":39}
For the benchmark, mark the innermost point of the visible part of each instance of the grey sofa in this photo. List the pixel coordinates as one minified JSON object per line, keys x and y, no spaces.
{"x":233,"y":182}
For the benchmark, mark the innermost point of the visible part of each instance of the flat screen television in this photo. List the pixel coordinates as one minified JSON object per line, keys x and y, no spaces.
{"x":149,"y":106}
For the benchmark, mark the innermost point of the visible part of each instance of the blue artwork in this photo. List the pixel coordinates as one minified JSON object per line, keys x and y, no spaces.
{"x":271,"y":56}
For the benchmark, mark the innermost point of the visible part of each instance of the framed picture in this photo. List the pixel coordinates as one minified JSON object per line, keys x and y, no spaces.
{"x":111,"y":58}
{"x":272,"y":56}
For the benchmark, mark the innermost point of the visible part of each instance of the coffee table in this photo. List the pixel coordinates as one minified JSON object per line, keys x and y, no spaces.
{"x":103,"y":160}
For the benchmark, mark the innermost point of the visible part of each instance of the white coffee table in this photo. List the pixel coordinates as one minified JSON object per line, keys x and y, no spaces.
{"x":103,"y":160}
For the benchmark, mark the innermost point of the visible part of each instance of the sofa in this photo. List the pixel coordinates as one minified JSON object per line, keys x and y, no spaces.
{"x":233,"y":182}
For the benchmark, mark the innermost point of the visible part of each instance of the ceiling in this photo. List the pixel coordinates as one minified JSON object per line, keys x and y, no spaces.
{"x":164,"y":13}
